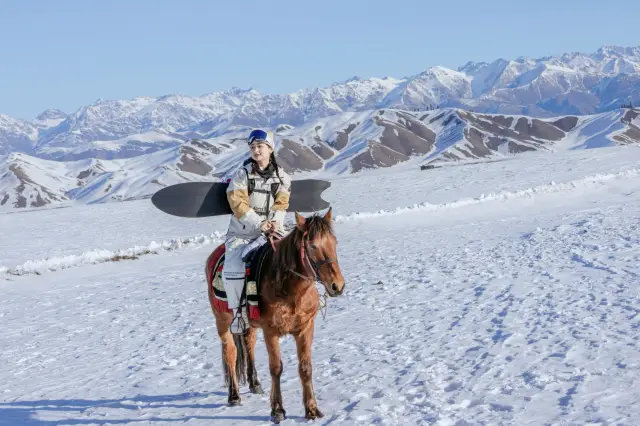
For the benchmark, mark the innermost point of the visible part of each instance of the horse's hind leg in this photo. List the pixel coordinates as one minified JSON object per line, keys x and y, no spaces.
{"x":303,"y":343}
{"x":252,"y":375}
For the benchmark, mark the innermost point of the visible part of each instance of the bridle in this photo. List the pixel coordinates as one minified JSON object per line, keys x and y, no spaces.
{"x":315,"y":267}
{"x":304,"y":257}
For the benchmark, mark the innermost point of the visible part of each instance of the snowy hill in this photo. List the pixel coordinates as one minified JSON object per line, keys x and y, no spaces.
{"x":571,"y":83}
{"x":345,"y":143}
{"x":33,"y":182}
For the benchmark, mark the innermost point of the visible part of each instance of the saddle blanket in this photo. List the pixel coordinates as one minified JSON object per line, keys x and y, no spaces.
{"x":215,"y":283}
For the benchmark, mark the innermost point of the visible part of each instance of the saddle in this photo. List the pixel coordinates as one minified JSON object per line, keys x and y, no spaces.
{"x":250,"y":293}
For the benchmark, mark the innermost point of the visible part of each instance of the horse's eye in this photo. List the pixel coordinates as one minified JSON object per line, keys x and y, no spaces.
{"x":313,"y":246}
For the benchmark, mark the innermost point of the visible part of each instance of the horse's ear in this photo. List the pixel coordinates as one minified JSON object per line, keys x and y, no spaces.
{"x":328,"y":215}
{"x":300,"y":221}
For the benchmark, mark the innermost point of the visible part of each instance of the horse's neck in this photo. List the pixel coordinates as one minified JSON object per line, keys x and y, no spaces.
{"x":292,"y":283}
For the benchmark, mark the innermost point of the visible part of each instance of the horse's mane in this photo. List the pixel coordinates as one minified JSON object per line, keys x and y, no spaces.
{"x":287,"y":255}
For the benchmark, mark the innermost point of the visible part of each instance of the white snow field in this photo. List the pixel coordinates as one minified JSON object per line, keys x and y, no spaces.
{"x":500,"y":293}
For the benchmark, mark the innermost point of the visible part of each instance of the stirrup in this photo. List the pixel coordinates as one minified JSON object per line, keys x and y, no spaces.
{"x":241,"y":320}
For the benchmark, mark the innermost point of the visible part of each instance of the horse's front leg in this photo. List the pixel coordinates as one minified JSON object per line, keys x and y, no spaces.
{"x":229,"y":353}
{"x":303,"y":342}
{"x":252,"y":374}
{"x":275,"y":368}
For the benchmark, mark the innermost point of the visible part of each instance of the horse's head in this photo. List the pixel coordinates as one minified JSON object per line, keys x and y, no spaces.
{"x":318,"y":250}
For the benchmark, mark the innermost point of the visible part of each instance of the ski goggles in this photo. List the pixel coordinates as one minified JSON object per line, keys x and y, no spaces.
{"x":259,"y":135}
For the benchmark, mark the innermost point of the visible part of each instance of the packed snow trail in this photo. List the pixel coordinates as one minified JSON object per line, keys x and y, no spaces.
{"x":520,"y":312}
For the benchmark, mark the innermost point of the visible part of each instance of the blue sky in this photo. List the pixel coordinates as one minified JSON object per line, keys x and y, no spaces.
{"x":69,"y":53}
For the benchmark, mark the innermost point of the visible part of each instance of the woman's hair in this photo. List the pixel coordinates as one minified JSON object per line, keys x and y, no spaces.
{"x":276,"y":166}
{"x":272,"y":160}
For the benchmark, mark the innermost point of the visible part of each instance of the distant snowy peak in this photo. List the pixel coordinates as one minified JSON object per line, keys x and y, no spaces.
{"x":551,"y":76}
{"x":50,"y":118}
{"x":598,"y":62}
{"x":17,"y":135}
{"x":16,"y":125}
{"x":438,"y":84}
{"x":357,"y":93}
{"x":608,"y":51}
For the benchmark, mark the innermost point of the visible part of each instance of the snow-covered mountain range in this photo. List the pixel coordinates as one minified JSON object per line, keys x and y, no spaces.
{"x":573,"y":83}
{"x":125,"y":149}
{"x":340,"y":144}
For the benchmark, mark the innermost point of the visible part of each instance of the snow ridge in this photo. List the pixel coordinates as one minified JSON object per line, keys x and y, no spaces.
{"x":550,"y":188}
{"x":38,"y":267}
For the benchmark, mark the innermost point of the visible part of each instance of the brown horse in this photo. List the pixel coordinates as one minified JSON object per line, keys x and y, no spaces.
{"x":288,"y":303}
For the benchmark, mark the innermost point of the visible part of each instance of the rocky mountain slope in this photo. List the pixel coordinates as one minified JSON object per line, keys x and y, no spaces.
{"x":343,"y":143}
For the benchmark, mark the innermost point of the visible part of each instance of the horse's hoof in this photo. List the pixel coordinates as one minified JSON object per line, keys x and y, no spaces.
{"x":313,"y":414}
{"x":234,"y":402}
{"x":278,"y":416}
{"x":257,"y":389}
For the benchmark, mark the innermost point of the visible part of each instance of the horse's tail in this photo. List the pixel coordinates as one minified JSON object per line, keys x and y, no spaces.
{"x":241,"y":359}
{"x":241,"y":362}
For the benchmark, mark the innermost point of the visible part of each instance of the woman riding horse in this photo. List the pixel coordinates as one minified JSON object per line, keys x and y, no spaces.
{"x":255,"y":211}
{"x":288,"y":298}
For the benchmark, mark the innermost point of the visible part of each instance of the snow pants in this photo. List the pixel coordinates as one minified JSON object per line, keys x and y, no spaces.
{"x":233,"y":271}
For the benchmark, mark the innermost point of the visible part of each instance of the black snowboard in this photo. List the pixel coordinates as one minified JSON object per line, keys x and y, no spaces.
{"x":203,"y":199}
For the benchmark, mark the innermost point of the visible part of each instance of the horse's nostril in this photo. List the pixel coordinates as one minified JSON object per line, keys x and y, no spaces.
{"x":334,"y":287}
